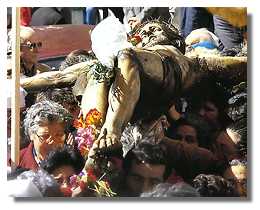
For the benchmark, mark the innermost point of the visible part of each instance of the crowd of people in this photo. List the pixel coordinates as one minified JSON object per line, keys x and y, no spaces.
{"x":157,"y":124}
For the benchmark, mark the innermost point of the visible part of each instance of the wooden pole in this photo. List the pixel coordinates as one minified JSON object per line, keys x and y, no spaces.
{"x":15,"y":88}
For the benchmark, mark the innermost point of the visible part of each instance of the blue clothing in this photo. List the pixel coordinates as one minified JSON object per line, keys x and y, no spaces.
{"x":91,"y":16}
{"x":206,"y":44}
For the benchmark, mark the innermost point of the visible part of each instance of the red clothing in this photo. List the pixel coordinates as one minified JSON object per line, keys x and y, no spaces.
{"x":174,"y":178}
{"x":27,"y":159}
{"x":25,"y":15}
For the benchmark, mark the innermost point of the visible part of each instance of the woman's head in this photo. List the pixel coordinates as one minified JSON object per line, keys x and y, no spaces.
{"x":210,"y":100}
{"x":47,"y":124}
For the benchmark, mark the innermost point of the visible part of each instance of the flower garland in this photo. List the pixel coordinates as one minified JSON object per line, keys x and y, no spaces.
{"x":87,"y":130}
{"x":89,"y":181}
{"x":89,"y":184}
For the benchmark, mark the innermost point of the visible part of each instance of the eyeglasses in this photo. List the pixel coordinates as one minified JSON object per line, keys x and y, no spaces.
{"x":31,"y":45}
{"x":49,"y":139}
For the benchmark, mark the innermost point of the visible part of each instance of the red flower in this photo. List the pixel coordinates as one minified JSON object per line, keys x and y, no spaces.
{"x":82,"y":185}
{"x":138,"y":38}
{"x":67,"y":192}
{"x":91,"y":175}
{"x":135,"y":39}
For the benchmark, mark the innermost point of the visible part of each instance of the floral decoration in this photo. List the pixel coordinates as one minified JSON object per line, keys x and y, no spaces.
{"x":87,"y":130}
{"x":135,"y":39}
{"x":89,"y":181}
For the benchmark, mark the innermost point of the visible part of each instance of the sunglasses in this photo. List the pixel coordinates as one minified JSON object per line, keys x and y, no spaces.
{"x":31,"y":45}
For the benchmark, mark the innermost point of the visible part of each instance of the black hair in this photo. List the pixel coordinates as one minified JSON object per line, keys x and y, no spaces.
{"x":149,"y":153}
{"x":208,"y":89}
{"x":214,"y":186}
{"x":76,"y":56}
{"x":165,"y":190}
{"x":64,"y":156}
{"x":198,"y":123}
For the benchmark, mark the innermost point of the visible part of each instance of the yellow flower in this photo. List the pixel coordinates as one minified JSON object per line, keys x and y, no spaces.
{"x":94,"y":118}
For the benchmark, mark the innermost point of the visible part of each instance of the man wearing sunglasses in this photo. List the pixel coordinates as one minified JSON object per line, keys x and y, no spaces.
{"x":29,"y":48}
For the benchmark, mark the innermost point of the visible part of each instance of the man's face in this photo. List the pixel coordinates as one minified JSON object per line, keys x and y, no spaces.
{"x":142,"y":177}
{"x":187,"y":134}
{"x":48,"y":137}
{"x":151,"y":34}
{"x":29,"y":48}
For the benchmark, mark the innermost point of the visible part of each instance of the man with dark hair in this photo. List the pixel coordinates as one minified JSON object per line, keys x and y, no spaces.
{"x":150,"y":163}
{"x":144,"y":167}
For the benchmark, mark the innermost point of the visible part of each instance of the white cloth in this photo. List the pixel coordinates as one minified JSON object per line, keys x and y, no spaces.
{"x":108,"y":38}
{"x":201,"y":34}
{"x":22,"y":188}
{"x":23,"y":93}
